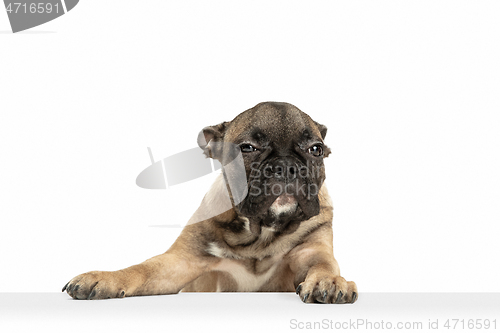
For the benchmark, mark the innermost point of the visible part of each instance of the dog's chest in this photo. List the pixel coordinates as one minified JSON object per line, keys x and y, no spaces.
{"x":253,"y":266}
{"x":250,"y":275}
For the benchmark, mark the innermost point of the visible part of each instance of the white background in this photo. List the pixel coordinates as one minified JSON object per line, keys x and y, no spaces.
{"x":409,"y":91}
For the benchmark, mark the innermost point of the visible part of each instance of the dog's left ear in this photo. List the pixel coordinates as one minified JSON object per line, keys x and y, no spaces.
{"x":210,"y":139}
{"x":322,"y":129}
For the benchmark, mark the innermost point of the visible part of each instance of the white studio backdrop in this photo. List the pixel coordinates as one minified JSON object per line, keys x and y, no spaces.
{"x":409,"y":91}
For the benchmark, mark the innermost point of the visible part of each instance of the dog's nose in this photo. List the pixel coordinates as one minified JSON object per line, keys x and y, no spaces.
{"x":286,"y":169}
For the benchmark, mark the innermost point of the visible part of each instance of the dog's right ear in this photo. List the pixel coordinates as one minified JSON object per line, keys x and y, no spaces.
{"x":210,"y":139}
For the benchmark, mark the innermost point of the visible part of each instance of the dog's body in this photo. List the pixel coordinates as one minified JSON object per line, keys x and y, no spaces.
{"x":261,"y":261}
{"x":268,"y":240}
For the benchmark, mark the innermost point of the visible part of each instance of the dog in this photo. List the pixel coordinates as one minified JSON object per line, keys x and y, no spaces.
{"x":274,"y":236}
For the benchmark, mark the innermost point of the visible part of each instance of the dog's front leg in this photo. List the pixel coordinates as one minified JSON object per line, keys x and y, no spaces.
{"x":317,"y":276}
{"x":167,"y":273}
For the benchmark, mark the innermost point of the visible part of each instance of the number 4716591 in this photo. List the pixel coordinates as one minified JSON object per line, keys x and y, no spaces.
{"x":470,"y":324}
{"x":33,"y":8}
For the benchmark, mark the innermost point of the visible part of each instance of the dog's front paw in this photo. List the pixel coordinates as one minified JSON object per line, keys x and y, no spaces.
{"x":96,"y":285}
{"x":327,"y":289}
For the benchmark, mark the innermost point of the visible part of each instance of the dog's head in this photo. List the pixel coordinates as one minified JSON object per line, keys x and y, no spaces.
{"x":280,"y":150}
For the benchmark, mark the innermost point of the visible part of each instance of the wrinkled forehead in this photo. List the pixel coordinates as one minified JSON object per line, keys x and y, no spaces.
{"x":272,"y":122}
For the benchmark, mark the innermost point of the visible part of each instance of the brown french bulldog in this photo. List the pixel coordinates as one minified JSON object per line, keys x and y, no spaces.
{"x":276,"y":234}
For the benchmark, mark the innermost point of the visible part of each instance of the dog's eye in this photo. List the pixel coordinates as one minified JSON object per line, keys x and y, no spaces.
{"x":246,"y":148}
{"x":316,"y":150}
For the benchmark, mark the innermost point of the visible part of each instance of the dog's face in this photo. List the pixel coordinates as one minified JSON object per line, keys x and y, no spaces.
{"x":282,"y":150}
